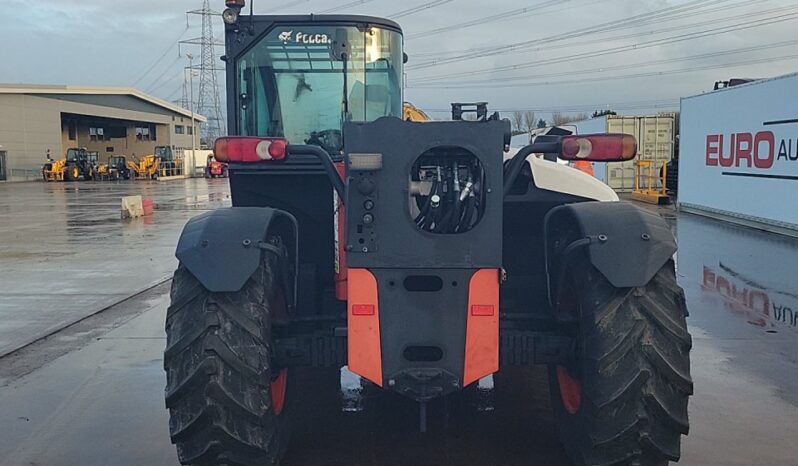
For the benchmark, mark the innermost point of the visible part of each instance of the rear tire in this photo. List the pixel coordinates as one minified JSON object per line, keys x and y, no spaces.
{"x":220,"y":372}
{"x":72,"y":173}
{"x":624,"y":400}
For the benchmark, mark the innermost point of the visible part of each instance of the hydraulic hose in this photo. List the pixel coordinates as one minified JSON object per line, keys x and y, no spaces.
{"x":425,"y":208}
{"x":468,"y":213}
{"x":326,"y":161}
{"x":513,"y":168}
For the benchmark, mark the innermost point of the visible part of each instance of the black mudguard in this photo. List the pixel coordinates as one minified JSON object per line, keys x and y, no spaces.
{"x":627,"y":244}
{"x":222,"y":248}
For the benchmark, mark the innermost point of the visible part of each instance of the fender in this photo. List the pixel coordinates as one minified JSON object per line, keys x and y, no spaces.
{"x":222,"y":248}
{"x":627,"y":244}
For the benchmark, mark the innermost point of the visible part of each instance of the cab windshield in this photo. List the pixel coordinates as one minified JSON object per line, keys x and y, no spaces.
{"x":164,"y":152}
{"x":74,"y":154}
{"x":291,"y":84}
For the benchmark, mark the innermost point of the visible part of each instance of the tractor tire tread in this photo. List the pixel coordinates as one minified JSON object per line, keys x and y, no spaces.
{"x":218,"y":377}
{"x":635,"y":407}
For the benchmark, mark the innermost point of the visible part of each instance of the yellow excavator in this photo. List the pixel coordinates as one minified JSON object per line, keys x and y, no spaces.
{"x":145,"y":168}
{"x":413,"y":113}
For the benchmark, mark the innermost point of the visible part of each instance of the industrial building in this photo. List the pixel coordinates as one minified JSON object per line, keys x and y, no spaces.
{"x":39,"y":121}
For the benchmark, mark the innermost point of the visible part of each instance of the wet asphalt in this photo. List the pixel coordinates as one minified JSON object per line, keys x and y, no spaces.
{"x":65,"y":251}
{"x":93,"y":394}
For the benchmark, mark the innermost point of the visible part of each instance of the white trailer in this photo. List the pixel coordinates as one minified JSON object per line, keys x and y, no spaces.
{"x":738,"y":154}
{"x":655,"y":138}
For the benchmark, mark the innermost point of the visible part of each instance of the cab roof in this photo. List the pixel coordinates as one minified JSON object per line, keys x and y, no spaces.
{"x":311,"y":18}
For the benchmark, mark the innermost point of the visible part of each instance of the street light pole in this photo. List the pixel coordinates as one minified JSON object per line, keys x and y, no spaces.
{"x":191,"y":106}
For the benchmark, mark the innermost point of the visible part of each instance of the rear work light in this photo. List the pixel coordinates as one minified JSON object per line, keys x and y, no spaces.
{"x":249,"y":149}
{"x":599,"y":147}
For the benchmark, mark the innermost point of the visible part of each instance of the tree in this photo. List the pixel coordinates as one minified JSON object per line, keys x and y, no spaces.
{"x":599,"y":113}
{"x":529,"y":121}
{"x":542,"y":123}
{"x":523,"y":122}
{"x":558,"y":119}
{"x":518,"y":122}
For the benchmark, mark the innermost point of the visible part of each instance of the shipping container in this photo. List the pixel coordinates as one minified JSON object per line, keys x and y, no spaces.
{"x":738,"y":154}
{"x":655,"y":138}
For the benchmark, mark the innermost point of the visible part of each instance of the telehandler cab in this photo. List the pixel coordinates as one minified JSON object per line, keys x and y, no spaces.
{"x":115,"y":169}
{"x":422,"y":255}
{"x":169,"y":163}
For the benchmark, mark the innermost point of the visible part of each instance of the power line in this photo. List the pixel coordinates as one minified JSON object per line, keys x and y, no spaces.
{"x":287,"y":5}
{"x":594,"y":79}
{"x":632,"y":21}
{"x":345,"y":6}
{"x":172,"y":94}
{"x":526,"y":46}
{"x":653,"y":32}
{"x":168,"y":80}
{"x":604,"y":69}
{"x":416,"y":9}
{"x":165,"y":52}
{"x":160,"y":76}
{"x":485,"y":20}
{"x":624,"y":48}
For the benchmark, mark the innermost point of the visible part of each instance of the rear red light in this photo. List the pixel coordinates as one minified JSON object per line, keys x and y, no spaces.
{"x":277,"y":149}
{"x":363,"y":310}
{"x":234,"y":3}
{"x":249,"y":149}
{"x":599,"y":147}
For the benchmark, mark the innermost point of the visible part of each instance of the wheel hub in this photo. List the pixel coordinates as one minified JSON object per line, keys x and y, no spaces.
{"x":278,"y":389}
{"x":570,"y":390}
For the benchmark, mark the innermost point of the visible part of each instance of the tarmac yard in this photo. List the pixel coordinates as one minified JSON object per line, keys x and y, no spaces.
{"x":96,"y":286}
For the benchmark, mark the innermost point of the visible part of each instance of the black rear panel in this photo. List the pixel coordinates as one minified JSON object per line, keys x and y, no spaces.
{"x":301,"y":187}
{"x":423,"y":276}
{"x":423,"y":331}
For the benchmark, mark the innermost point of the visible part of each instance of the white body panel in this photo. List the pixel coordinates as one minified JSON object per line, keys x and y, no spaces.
{"x":718,"y":179}
{"x":553,"y":176}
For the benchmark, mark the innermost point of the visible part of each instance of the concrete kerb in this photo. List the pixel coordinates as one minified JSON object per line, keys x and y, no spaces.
{"x":53,"y":331}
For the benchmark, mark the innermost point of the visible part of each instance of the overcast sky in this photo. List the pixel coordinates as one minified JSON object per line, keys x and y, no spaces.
{"x":645,"y":65}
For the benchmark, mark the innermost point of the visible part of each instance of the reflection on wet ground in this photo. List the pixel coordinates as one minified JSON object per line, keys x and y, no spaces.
{"x":65,"y":252}
{"x":751,"y":274}
{"x":741,"y":289}
{"x":742,"y":284}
